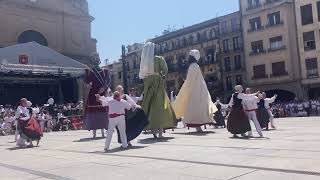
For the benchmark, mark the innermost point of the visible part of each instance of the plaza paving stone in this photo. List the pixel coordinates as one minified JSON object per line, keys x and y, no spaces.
{"x":292,"y":152}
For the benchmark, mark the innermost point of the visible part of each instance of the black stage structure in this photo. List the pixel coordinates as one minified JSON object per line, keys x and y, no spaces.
{"x":36,"y":72}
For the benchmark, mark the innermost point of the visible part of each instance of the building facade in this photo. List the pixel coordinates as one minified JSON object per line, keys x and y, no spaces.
{"x":62,"y":25}
{"x":175,"y":46}
{"x":271,"y":48}
{"x":231,"y":52}
{"x":133,"y":58}
{"x":308,"y":28}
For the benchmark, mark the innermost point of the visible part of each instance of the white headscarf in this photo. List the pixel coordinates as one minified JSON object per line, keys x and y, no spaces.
{"x":147,"y":60}
{"x":195,"y":53}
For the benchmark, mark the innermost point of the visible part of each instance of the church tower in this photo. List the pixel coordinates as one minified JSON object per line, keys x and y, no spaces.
{"x":63,"y":25}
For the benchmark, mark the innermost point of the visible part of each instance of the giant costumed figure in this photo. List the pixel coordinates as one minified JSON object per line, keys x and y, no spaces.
{"x":156,"y":103}
{"x":193,"y":103}
{"x":95,"y":115}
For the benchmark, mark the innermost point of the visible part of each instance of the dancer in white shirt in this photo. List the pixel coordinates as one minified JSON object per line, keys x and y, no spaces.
{"x":267,"y":102}
{"x":117,"y":108}
{"x":250,"y":106}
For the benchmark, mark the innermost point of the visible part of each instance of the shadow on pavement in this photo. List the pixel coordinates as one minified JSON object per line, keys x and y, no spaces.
{"x":155,"y":140}
{"x":119,"y":149}
{"x":89,"y":139}
{"x":204,"y":133}
{"x":250,"y":138}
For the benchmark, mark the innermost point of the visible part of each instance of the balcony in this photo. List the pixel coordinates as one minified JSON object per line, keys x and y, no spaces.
{"x":257,"y":52}
{"x":256,"y":29}
{"x":277,"y":49}
{"x":256,"y":77}
{"x":312,"y":73}
{"x":253,"y":6}
{"x":270,"y":2}
{"x":274,"y":25}
{"x":279,"y":74}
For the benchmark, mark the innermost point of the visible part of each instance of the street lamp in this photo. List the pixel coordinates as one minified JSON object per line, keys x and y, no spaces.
{"x":124,"y":69}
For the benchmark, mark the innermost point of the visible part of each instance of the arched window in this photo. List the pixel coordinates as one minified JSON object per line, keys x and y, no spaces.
{"x":32,"y":36}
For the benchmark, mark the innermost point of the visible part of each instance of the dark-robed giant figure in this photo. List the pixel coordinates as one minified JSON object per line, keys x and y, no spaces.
{"x":95,"y":115}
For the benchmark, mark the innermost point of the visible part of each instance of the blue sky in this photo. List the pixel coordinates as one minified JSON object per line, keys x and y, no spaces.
{"x":120,"y":22}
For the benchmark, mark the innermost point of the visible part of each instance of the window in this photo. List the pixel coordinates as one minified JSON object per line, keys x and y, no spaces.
{"x":224,"y":27}
{"x":309,"y":41}
{"x":226,"y":45}
{"x":190,"y":40}
{"x":134,"y":64}
{"x":255,"y":24}
{"x":236,"y":45}
{"x":227,"y":64}
{"x":229,"y":83}
{"x":235,"y":24}
{"x":257,"y":47}
{"x":119,"y":75}
{"x":30,"y":36}
{"x":239,"y":80}
{"x":237,"y":62}
{"x":278,"y":69}
{"x":312,"y":68}
{"x":306,"y":14}
{"x":253,"y":4}
{"x":259,"y":71}
{"x":128,"y":66}
{"x":276,"y":43}
{"x":177,"y":43}
{"x":274,"y":19}
{"x":198,"y":37}
{"x":204,"y":35}
{"x":318,"y":9}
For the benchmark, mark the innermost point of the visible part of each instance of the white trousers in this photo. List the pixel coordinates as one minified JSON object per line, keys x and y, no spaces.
{"x":120,"y":123}
{"x":42,"y":125}
{"x":271,"y":117}
{"x":16,"y":133}
{"x":253,"y":117}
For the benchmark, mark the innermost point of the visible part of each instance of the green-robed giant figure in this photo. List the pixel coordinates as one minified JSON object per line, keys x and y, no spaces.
{"x":156,"y":103}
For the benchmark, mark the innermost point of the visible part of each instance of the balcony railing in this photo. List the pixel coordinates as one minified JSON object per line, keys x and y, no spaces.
{"x":256,"y":29}
{"x":277,"y":49}
{"x":253,"y":6}
{"x":260,"y":77}
{"x":279,"y":74}
{"x":312,"y":73}
{"x":275,"y":24}
{"x":270,"y":2}
{"x":257,"y":52}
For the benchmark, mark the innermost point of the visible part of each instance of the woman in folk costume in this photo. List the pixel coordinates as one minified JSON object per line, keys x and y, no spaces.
{"x":262,"y":113}
{"x":136,"y":119}
{"x":28,"y":126}
{"x":238,"y":122}
{"x":155,"y":103}
{"x":193,"y":103}
{"x":95,"y":115}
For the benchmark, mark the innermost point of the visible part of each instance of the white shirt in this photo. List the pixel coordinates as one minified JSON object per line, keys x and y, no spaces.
{"x":2,"y":110}
{"x":50,"y":101}
{"x":115,"y":106}
{"x":24,"y":111}
{"x":249,"y":101}
{"x":42,"y":117}
{"x":268,"y":101}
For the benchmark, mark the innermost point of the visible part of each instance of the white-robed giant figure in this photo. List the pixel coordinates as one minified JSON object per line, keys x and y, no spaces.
{"x":193,"y":104}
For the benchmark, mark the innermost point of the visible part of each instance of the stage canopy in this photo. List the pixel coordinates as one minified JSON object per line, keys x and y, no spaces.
{"x":37,"y":59}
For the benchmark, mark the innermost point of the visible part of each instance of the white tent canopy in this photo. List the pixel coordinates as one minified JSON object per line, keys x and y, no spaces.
{"x":41,"y":59}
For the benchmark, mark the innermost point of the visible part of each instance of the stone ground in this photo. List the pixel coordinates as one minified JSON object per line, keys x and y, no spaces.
{"x":292,"y":152}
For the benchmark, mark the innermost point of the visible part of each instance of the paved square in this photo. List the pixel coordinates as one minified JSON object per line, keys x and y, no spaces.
{"x":290,"y":153}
